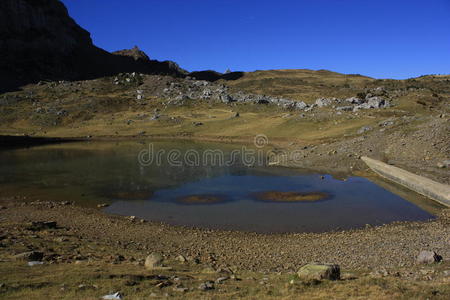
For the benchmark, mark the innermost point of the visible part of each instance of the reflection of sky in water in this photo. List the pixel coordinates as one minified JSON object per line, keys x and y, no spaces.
{"x":110,"y":172}
{"x":352,"y":203}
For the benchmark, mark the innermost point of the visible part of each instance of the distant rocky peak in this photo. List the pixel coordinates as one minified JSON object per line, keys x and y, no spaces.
{"x":135,"y":53}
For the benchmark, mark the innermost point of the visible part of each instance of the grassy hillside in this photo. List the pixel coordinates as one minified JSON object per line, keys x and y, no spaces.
{"x":308,"y":85}
{"x":102,"y":108}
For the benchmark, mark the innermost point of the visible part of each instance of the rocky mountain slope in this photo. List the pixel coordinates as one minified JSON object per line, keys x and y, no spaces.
{"x":39,"y":41}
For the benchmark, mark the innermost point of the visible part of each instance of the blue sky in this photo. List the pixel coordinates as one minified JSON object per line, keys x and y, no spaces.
{"x":378,"y":38}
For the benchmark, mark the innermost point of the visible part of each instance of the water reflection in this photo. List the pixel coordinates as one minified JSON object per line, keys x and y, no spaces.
{"x":258,"y":198}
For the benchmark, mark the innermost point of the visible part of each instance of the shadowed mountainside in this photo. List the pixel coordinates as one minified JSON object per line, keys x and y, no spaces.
{"x":39,"y":41}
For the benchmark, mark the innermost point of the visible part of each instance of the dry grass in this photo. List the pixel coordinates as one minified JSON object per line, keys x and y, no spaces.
{"x":306,"y":85}
{"x":93,"y":280}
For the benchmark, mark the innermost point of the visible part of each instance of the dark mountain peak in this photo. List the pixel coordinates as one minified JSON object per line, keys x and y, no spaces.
{"x":40,"y":41}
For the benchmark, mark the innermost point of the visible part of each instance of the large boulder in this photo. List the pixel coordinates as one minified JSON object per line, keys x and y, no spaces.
{"x":154,"y":261}
{"x":301,"y":105}
{"x":428,"y":257}
{"x":319,"y":272}
{"x":377,"y":102}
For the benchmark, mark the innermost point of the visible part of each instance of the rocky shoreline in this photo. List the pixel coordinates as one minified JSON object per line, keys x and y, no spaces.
{"x":90,"y":237}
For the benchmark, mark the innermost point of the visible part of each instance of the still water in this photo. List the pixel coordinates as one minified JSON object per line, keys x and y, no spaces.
{"x":208,"y":193}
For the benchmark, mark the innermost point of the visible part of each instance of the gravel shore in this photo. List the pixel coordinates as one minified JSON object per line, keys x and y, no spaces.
{"x":389,"y":246}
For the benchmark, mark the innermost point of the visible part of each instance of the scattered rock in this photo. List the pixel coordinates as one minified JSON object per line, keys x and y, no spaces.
{"x":354,"y":100}
{"x":39,"y":225}
{"x":115,"y":296}
{"x":205,"y":286}
{"x":428,"y":257}
{"x":102,"y":205}
{"x":180,"y":289}
{"x":163,"y":284}
{"x":87,"y":287}
{"x":35,"y":263}
{"x":30,"y":256}
{"x":222,"y":279}
{"x":319,"y":272}
{"x":301,"y":105}
{"x":444,"y":164}
{"x":181,"y":258}
{"x":364,"y":129}
{"x":322,"y":102}
{"x":377,"y":102}
{"x":139,"y":94}
{"x":345,"y":108}
{"x":235,"y":278}
{"x":154,"y":261}
{"x":386,"y":123}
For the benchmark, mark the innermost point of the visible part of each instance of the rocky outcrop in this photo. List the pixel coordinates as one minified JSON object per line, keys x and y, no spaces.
{"x":39,"y":41}
{"x":180,"y":91}
{"x":353,"y":103}
{"x":177,"y":92}
{"x":134,"y":52}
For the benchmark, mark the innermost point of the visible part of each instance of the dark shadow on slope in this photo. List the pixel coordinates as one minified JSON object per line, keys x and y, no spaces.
{"x":12,"y":141}
{"x":210,"y":75}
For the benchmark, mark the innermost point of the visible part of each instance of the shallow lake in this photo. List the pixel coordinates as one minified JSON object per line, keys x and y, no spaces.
{"x":206,"y":185}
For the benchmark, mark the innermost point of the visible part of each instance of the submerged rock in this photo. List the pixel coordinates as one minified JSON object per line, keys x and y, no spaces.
{"x":200,"y":199}
{"x":277,"y":196}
